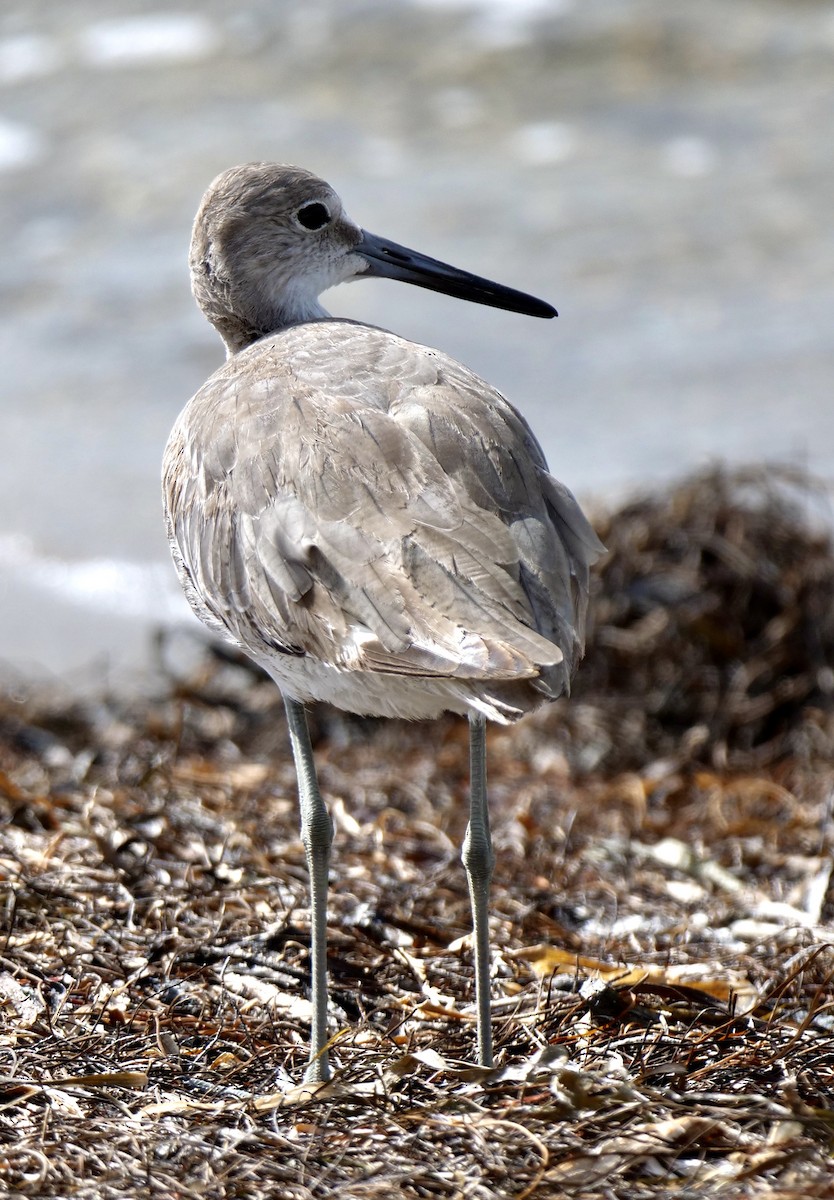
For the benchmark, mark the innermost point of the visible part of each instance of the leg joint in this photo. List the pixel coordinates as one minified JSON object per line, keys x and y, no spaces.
{"x":477,"y":854}
{"x":317,"y":831}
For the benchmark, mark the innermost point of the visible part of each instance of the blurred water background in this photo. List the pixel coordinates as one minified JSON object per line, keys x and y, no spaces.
{"x":660,"y":170}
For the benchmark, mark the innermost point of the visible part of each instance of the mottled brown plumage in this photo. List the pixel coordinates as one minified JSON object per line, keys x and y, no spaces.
{"x":363,"y":515}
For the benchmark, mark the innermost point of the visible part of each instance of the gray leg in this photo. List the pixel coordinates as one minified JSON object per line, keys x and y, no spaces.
{"x":479,"y":860}
{"x":316,"y":834}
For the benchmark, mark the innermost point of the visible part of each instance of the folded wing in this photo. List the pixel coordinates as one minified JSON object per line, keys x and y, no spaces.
{"x":378,"y":507}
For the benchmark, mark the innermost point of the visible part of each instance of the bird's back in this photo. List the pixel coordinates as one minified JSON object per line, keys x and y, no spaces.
{"x":376,"y":525}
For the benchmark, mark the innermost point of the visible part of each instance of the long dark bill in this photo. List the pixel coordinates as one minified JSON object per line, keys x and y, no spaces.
{"x":390,"y":261}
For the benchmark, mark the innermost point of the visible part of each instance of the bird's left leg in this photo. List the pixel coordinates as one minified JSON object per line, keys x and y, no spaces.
{"x":478,"y":859}
{"x":317,"y":835}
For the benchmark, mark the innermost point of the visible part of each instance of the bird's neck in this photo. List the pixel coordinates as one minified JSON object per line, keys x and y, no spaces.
{"x":237,"y":332}
{"x":243,"y":313}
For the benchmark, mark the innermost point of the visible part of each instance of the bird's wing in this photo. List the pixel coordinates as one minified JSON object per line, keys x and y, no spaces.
{"x":340,"y":492}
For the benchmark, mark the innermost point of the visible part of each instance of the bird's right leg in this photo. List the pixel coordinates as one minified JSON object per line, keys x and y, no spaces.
{"x":479,"y":860}
{"x":317,"y":835}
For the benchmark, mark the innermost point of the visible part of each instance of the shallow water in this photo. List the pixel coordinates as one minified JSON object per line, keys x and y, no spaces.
{"x":661,"y":173}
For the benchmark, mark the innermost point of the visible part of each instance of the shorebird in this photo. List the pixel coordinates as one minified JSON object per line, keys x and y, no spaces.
{"x":362,"y":515}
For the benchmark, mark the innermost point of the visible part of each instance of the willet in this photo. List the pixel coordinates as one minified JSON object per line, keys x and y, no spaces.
{"x":362,"y":515}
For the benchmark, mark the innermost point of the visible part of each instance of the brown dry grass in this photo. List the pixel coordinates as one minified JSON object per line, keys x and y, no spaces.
{"x":662,"y":912}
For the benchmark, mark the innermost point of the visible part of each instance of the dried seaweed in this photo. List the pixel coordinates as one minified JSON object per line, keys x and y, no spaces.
{"x":713,"y":618}
{"x":662,"y":912}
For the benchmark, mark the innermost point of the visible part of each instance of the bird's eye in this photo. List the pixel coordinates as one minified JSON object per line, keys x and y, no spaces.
{"x":313,"y":216}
